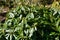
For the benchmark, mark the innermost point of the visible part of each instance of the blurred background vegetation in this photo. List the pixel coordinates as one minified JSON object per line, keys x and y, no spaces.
{"x":49,"y":23}
{"x":5,"y":4}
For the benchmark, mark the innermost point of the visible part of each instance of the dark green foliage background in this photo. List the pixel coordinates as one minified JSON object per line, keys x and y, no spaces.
{"x":43,"y":23}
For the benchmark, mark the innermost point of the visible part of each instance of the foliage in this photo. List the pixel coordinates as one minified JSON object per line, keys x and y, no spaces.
{"x":11,"y":3}
{"x":31,"y":23}
{"x":17,"y":26}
